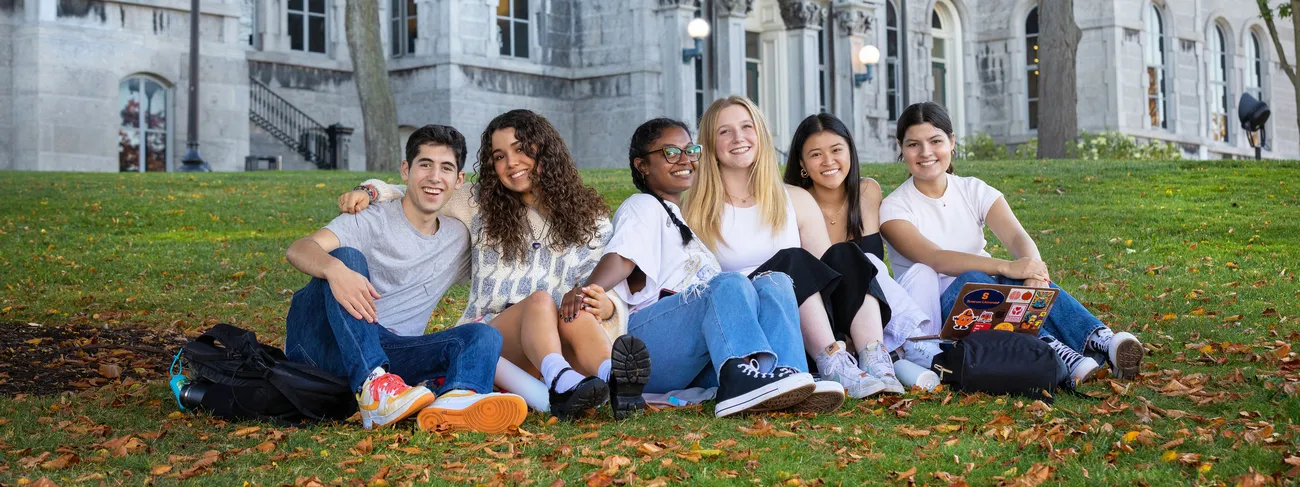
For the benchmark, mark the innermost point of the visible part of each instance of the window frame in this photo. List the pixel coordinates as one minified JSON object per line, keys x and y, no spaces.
{"x":142,"y":129}
{"x":1032,"y":95}
{"x":307,"y":16}
{"x":514,"y":21}
{"x":399,"y":23}
{"x":1218,"y":83}
{"x":1157,"y":45}
{"x":893,"y":70}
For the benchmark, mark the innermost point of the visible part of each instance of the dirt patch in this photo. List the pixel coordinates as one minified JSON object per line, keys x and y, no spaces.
{"x":48,"y":359}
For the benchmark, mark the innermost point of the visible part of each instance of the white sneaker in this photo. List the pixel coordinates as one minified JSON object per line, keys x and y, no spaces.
{"x":1125,"y":355}
{"x":877,"y":364}
{"x":1081,"y":368}
{"x":386,"y":399}
{"x":827,"y":397}
{"x":921,"y":352}
{"x":834,"y":363}
{"x":461,"y":410}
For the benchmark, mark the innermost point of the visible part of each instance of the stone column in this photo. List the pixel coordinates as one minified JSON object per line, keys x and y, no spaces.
{"x":678,"y":77}
{"x":803,"y":21}
{"x":855,"y":105}
{"x":729,"y":46}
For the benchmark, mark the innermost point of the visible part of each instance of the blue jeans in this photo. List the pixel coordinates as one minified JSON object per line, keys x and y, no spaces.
{"x":1068,"y":321}
{"x":728,"y":317}
{"x":320,"y":332}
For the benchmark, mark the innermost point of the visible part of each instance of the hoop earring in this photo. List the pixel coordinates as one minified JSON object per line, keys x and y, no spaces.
{"x":803,"y":173}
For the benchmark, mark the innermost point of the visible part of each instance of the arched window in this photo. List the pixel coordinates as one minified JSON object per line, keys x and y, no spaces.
{"x":1031,"y":66}
{"x":946,"y":61}
{"x":1156,"y":54}
{"x":1218,"y":85}
{"x":1254,"y":67}
{"x":892,"y":100}
{"x":143,"y":106}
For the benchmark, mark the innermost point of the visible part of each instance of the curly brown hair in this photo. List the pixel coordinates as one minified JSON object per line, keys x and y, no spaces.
{"x":572,"y":209}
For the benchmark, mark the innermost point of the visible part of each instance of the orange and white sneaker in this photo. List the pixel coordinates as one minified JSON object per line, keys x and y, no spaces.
{"x":386,"y":399}
{"x":462,"y":410}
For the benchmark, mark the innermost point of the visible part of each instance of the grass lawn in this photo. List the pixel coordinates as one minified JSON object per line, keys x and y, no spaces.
{"x":1198,"y":258}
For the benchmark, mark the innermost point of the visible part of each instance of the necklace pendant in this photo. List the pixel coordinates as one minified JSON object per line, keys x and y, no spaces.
{"x":537,"y":245}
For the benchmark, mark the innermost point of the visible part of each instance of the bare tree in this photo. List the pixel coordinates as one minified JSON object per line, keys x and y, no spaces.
{"x":1058,"y":120}
{"x":370,"y":71}
{"x":1286,"y":9}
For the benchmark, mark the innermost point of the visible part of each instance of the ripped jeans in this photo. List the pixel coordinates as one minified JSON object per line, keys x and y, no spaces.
{"x":728,"y":317}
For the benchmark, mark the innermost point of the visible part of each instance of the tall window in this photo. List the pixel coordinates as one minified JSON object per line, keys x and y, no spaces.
{"x":405,"y":27}
{"x":822,"y":80}
{"x":699,"y":71}
{"x":1156,"y":53}
{"x":939,"y":59}
{"x":512,"y":27}
{"x":248,"y":21}
{"x":1031,"y":66}
{"x":753,"y":65}
{"x":892,"y":70}
{"x":142,"y":136}
{"x":1218,"y":85}
{"x":1254,"y":67}
{"x":307,"y":25}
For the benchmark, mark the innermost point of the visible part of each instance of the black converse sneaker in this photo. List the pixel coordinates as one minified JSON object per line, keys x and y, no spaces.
{"x":742,"y":387}
{"x":628,"y":374}
{"x":1081,"y":368}
{"x":590,"y":393}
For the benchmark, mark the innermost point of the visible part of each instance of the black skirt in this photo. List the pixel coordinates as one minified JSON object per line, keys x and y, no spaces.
{"x":844,"y":277}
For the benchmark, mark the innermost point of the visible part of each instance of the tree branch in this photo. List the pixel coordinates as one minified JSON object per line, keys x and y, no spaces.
{"x":1267,"y":13}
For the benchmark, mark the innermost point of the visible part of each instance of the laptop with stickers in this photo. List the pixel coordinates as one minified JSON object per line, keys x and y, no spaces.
{"x":982,"y":307}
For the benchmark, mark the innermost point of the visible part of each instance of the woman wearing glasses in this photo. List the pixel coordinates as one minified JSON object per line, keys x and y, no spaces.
{"x":704,"y":327}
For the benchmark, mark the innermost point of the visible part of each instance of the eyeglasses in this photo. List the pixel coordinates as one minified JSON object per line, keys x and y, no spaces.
{"x":674,"y":154}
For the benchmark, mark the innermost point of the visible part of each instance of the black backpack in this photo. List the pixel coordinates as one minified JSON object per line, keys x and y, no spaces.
{"x":235,"y":377}
{"x":1002,"y":362}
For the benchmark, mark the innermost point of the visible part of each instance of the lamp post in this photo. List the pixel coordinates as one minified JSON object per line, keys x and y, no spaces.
{"x":869,"y":55}
{"x":192,"y":160}
{"x":698,"y":29}
{"x":1253,"y":113}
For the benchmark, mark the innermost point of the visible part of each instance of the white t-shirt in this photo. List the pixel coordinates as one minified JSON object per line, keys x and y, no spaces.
{"x":954,"y":221}
{"x":749,"y":241}
{"x":644,"y":234}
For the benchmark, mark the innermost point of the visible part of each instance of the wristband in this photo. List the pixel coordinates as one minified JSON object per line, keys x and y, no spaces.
{"x":371,"y":192}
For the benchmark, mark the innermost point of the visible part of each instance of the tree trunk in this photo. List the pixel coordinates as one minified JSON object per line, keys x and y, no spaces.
{"x":1267,"y":14}
{"x":370,"y":70}
{"x":1058,"y":120}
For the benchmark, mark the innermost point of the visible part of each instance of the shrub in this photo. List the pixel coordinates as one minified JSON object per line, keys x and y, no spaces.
{"x":1114,"y":145}
{"x":981,"y":147}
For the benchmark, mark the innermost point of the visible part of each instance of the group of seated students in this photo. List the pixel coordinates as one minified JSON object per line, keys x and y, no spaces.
{"x":727,"y":272}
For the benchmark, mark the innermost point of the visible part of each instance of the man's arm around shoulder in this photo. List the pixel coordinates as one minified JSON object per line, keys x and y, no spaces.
{"x":311,"y":255}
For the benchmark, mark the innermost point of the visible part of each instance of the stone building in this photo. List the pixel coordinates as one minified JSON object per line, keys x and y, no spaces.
{"x":100,"y":85}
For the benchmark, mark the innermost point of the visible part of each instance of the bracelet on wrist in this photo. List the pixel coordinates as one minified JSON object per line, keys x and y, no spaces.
{"x":370,"y":191}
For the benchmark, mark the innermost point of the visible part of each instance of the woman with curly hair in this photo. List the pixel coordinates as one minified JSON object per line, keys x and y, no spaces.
{"x":536,"y":232}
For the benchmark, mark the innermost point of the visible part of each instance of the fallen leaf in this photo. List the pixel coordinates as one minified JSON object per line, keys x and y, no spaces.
{"x":63,"y":461}
{"x":905,"y":475}
{"x":110,"y":371}
{"x":365,"y":446}
{"x":265,"y":447}
{"x":160,"y":469}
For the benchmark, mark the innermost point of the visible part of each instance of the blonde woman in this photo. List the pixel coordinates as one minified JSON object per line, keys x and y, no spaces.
{"x":755,"y":224}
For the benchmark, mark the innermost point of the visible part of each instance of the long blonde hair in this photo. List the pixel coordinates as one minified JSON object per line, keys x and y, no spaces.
{"x":703,"y":203}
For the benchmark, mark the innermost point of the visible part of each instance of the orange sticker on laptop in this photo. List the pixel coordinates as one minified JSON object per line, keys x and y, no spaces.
{"x":1019,"y":295}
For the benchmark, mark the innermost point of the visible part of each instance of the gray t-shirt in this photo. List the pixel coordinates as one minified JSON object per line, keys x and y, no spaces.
{"x":410,"y":270}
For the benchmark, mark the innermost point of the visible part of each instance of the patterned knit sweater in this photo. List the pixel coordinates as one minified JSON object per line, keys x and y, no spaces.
{"x":495,"y":285}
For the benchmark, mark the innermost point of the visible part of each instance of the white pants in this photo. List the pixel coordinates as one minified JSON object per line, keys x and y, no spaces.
{"x":907,"y":317}
{"x":925,"y":286}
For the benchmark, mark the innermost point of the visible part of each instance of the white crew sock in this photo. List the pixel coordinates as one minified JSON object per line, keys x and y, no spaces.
{"x":554,"y":365}
{"x":603,"y":372}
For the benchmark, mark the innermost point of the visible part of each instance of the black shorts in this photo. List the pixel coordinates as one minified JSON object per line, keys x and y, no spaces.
{"x":843,"y":275}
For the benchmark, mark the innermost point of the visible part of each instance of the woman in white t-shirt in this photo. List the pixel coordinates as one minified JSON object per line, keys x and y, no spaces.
{"x":933,"y":224}
{"x":688,"y":312}
{"x":755,"y":224}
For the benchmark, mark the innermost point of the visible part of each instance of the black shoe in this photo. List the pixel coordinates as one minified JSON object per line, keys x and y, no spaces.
{"x":588,"y":394}
{"x":628,"y":374}
{"x":742,"y":387}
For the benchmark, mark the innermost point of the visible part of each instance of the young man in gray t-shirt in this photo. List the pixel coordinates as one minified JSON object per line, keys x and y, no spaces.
{"x":377,"y":276}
